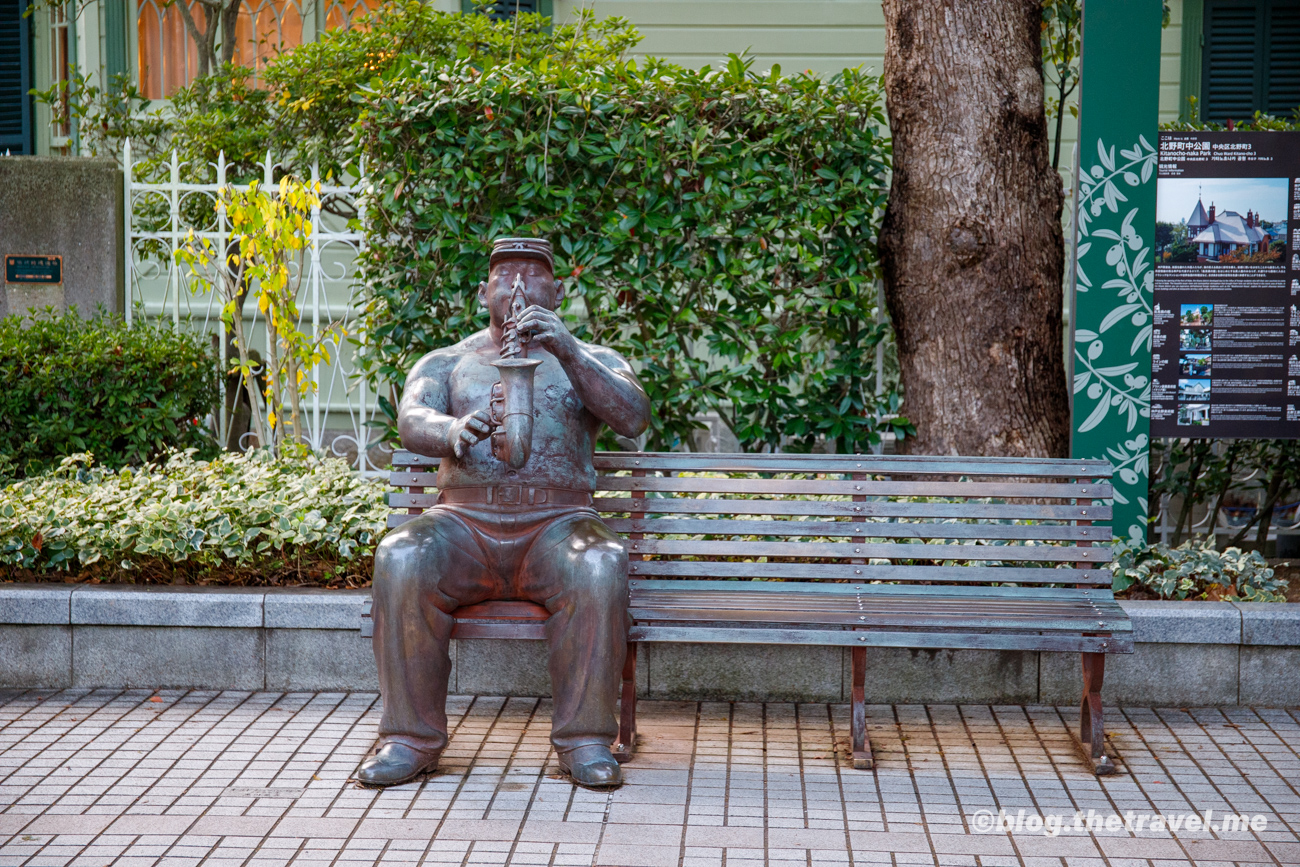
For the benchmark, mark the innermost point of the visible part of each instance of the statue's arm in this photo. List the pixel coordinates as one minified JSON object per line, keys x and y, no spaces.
{"x":423,"y":422}
{"x":607,"y":387}
{"x":602,"y":379}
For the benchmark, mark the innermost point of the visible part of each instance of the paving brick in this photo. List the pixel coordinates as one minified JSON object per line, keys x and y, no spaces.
{"x":396,"y":829}
{"x":618,"y":855}
{"x":80,"y":824}
{"x":135,"y":825}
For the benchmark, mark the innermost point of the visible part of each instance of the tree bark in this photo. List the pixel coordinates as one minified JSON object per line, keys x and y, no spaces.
{"x":971,"y":246}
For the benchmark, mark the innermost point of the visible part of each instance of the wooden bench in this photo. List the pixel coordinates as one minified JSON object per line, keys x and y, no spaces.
{"x":850,"y":550}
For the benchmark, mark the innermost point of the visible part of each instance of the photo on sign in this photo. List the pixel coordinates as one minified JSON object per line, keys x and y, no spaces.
{"x":1221,"y":221}
{"x":1193,"y":413}
{"x":1196,"y":314}
{"x":1194,"y":338}
{"x":1193,"y":389}
{"x":1194,"y":364}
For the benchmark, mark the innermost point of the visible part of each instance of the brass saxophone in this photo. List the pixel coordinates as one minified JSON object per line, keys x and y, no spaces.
{"x":511,"y":405}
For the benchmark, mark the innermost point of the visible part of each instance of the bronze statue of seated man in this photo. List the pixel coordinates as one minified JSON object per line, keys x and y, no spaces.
{"x":513,"y":520}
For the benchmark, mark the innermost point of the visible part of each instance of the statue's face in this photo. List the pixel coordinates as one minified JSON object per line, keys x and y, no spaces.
{"x":540,"y":287}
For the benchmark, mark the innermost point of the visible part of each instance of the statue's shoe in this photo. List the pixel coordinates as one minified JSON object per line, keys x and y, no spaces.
{"x":396,"y":763}
{"x":592,"y":766}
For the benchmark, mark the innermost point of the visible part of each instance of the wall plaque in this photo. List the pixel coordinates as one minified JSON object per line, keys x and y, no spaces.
{"x":33,"y":269}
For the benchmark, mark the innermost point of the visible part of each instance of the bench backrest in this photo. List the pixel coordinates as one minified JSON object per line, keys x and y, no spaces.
{"x":841,"y":518}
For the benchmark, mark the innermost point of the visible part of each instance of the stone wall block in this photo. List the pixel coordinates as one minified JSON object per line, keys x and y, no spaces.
{"x":319,"y":659}
{"x":1155,"y":675}
{"x":899,"y":675}
{"x":314,"y":609}
{"x":497,"y":666}
{"x":1270,"y":676}
{"x":158,"y":657}
{"x":35,"y":603}
{"x":1161,"y":622}
{"x":167,"y":606}
{"x":745,"y":672}
{"x":36,"y":656}
{"x":1270,"y":623}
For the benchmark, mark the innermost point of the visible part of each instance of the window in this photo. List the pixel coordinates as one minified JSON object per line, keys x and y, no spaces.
{"x":168,"y":58}
{"x":264,"y":29}
{"x":346,"y":13}
{"x":1250,"y":58}
{"x":501,"y":9}
{"x":15,"y":80}
{"x":60,"y":69}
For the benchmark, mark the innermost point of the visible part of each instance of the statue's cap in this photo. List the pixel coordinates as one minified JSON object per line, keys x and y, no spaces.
{"x":522,"y":248}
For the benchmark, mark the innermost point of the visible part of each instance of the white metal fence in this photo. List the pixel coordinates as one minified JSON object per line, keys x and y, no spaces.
{"x":159,"y":216}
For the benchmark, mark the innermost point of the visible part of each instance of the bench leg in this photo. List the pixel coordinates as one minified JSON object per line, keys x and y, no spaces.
{"x":1091,"y":739}
{"x":862,"y":759}
{"x":626,"y":746}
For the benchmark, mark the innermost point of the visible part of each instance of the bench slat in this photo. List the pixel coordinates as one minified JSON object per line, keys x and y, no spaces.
{"x":869,"y":464}
{"x":1006,"y":640}
{"x":951,"y":623}
{"x":879,"y":551}
{"x":866,"y":487}
{"x":1099,"y":596}
{"x":873,"y":464}
{"x":844,"y":508}
{"x":874,"y":529}
{"x":822,"y":508}
{"x":852,"y":572}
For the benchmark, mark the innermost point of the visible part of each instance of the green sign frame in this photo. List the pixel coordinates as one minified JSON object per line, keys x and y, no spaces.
{"x":1114,"y":226}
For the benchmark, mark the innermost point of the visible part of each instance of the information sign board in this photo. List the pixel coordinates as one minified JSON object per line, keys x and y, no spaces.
{"x":1225,"y":346}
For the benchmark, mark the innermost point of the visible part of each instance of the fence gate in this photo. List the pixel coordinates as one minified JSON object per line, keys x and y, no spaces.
{"x":158,"y":217}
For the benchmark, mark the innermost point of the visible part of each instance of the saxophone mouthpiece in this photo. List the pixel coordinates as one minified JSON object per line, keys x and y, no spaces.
{"x":513,"y":342}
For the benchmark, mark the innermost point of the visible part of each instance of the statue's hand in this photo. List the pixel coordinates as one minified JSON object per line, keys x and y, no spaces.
{"x":545,"y":327}
{"x":467,"y":431}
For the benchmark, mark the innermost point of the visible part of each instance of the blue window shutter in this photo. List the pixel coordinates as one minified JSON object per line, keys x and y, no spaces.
{"x":15,"y":79}
{"x":1282,"y":75}
{"x":1251,"y":58}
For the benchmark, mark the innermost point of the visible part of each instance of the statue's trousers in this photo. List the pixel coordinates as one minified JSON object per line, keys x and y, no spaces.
{"x":561,"y":557}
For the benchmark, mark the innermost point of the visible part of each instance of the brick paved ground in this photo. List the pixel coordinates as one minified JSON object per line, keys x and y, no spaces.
{"x":189,"y":778}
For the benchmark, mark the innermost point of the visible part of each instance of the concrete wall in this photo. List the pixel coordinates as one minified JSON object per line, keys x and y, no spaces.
{"x":1188,"y":653}
{"x":69,"y":207}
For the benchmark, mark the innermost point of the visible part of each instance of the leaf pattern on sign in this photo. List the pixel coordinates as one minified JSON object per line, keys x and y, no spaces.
{"x":1116,"y":384}
{"x":1123,"y":387}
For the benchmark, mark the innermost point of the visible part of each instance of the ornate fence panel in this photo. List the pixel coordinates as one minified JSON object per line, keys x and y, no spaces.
{"x":159,"y":216}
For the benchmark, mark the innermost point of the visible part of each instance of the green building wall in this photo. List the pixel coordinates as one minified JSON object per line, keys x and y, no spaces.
{"x":823,"y":36}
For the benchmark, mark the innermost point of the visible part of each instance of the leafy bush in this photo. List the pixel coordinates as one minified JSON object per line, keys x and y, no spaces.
{"x":1195,"y":570}
{"x":716,"y":227}
{"x":242,"y":518}
{"x":124,"y":394}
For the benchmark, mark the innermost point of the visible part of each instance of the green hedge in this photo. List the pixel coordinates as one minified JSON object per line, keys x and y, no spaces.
{"x":239,"y":519}
{"x":124,"y":394}
{"x":717,"y":227}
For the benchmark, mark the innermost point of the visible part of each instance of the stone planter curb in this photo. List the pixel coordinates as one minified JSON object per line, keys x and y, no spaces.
{"x":57,"y":635}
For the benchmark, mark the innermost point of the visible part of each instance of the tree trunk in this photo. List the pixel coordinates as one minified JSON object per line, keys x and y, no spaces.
{"x":971,"y":246}
{"x":229,"y":23}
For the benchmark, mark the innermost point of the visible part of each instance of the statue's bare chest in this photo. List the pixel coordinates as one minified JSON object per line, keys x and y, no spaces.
{"x":554,"y":400}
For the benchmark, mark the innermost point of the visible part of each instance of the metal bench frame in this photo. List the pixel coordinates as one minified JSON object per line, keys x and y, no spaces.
{"x":677,"y":591}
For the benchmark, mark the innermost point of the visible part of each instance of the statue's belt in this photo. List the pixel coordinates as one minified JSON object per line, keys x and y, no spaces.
{"x":514,"y":495}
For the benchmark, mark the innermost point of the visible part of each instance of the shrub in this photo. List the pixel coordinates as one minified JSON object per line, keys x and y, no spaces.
{"x":1195,"y":570}
{"x":125,"y":394}
{"x":241,"y":518}
{"x":717,"y":227}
